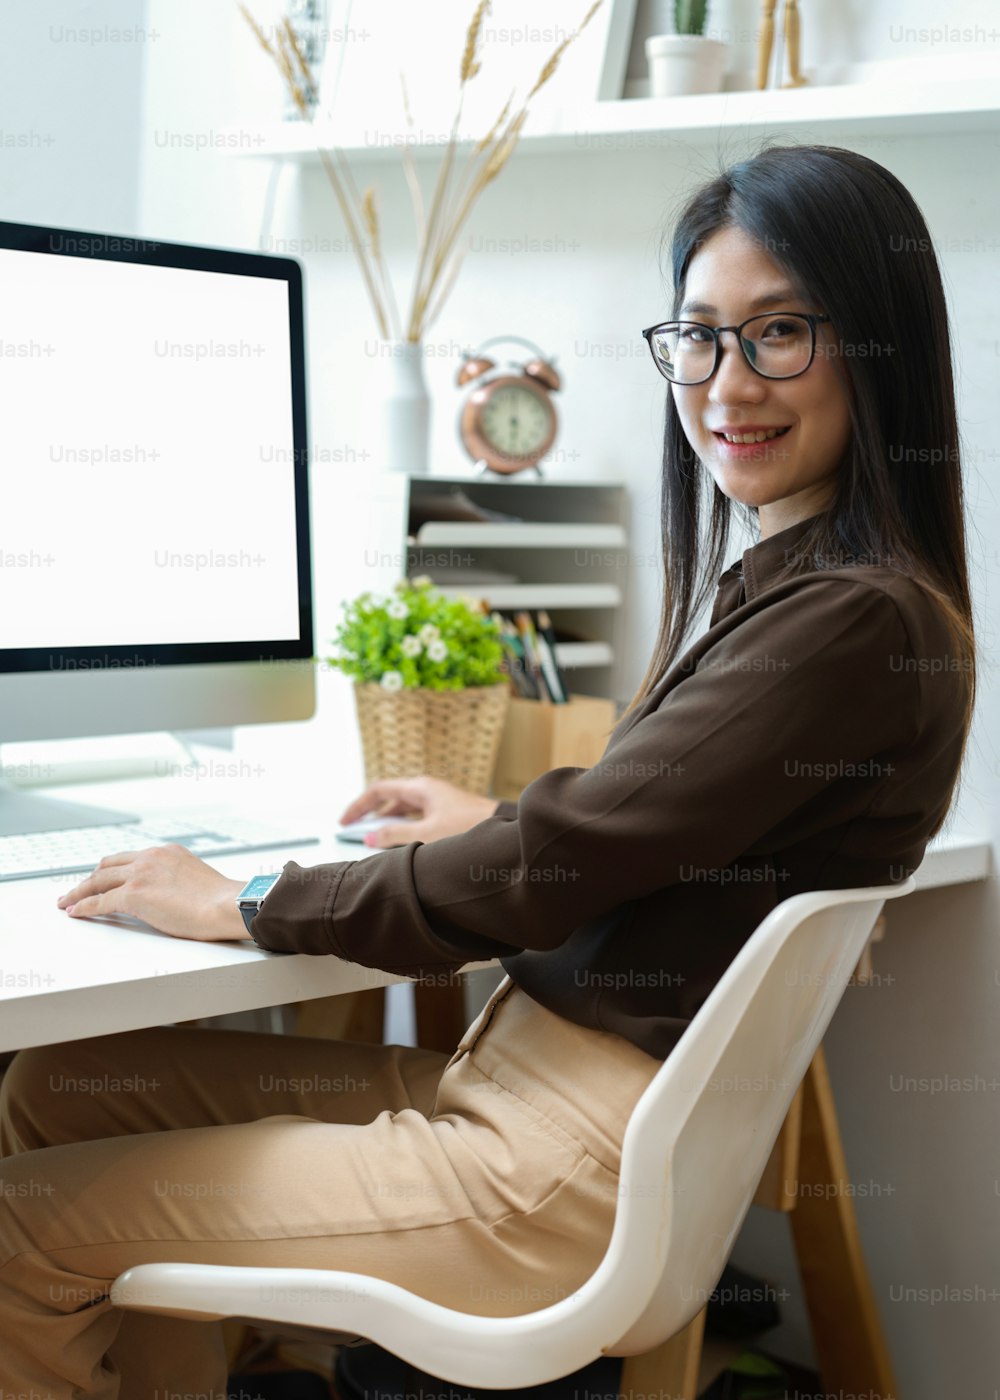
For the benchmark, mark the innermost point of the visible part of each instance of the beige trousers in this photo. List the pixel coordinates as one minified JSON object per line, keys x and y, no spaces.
{"x":486,"y":1181}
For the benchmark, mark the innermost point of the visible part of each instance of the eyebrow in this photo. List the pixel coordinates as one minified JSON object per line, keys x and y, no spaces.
{"x":768,"y":299}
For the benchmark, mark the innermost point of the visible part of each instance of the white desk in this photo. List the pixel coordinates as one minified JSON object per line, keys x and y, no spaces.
{"x":66,"y":979}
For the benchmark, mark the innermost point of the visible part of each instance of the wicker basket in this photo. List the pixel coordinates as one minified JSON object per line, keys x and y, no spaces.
{"x":450,"y":734}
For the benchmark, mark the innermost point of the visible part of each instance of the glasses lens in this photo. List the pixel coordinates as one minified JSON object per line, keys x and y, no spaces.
{"x":778,"y":346}
{"x":684,"y":351}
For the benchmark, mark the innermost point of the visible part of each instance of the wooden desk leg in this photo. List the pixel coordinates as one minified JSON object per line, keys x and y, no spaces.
{"x":440,"y":1014}
{"x":670,"y":1369}
{"x":357,"y":1016}
{"x":846,"y":1328}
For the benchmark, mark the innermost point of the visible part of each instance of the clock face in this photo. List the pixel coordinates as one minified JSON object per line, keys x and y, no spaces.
{"x":516,"y":421}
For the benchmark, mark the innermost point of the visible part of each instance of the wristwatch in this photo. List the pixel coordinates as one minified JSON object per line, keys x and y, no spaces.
{"x":252,"y":896}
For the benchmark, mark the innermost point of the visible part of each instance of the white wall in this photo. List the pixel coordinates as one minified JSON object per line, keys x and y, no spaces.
{"x":585,"y":300}
{"x":70,"y":85}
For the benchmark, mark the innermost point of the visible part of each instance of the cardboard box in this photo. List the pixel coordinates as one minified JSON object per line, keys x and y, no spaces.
{"x":538,"y":736}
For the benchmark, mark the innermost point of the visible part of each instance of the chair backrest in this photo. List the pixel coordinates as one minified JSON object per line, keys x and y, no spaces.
{"x":700,"y":1136}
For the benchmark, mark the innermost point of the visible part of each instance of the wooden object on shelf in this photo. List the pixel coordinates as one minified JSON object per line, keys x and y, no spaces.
{"x":791,"y":30}
{"x":539,"y":736}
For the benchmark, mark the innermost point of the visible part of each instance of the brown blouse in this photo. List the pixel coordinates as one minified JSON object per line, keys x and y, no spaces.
{"x":808,"y":740}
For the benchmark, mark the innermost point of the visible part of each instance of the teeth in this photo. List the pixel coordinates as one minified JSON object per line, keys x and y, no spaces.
{"x":747,"y":438}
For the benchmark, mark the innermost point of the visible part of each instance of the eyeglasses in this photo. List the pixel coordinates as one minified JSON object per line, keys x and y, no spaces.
{"x":779,"y":345}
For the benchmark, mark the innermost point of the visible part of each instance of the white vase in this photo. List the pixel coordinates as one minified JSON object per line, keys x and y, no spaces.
{"x":399,"y":408}
{"x":681,"y":64}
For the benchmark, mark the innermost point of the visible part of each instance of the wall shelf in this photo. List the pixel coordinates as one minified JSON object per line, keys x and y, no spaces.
{"x":520,"y":535}
{"x":583,"y":592}
{"x":912,"y":106}
{"x":540,"y":595}
{"x":572,"y":655}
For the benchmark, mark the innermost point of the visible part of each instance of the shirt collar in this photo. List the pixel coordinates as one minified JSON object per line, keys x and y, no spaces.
{"x":762,"y":562}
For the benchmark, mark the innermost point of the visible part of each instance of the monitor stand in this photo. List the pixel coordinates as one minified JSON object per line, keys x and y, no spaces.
{"x":24,"y":813}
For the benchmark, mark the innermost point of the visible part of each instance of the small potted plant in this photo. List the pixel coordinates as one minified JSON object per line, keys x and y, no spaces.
{"x":429,"y":684}
{"x":685,"y":62}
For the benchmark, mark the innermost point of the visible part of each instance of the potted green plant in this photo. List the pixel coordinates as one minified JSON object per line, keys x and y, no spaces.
{"x":429,"y":684}
{"x":686,"y":61}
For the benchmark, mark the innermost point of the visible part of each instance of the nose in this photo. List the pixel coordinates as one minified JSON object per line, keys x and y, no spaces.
{"x":734,"y":381}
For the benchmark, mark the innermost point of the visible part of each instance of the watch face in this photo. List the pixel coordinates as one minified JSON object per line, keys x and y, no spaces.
{"x":258,"y":887}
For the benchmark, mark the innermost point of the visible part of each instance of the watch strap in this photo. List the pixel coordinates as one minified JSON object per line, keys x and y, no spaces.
{"x":248,"y":911}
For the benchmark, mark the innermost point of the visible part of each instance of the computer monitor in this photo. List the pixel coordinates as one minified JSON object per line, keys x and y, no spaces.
{"x":154,"y":516}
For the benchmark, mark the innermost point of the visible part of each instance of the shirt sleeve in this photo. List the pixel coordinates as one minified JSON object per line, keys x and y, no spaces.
{"x":813,"y":678}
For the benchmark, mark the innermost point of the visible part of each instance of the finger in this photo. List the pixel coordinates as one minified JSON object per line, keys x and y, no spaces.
{"x":110,"y":901}
{"x":374,"y":798}
{"x":119,"y":857}
{"x":97,"y":882}
{"x":399,"y":835}
{"x":391,"y":790}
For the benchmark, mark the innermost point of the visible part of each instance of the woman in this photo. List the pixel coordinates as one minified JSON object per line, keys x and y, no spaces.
{"x":811,"y":738}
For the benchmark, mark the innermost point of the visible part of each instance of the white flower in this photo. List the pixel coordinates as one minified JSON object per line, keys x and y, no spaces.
{"x":422,"y":581}
{"x":392,"y":680}
{"x":429,"y":633}
{"x":375,"y":600}
{"x":437,"y":650}
{"x":401,"y":585}
{"x":411,"y":646}
{"x":397,"y":608}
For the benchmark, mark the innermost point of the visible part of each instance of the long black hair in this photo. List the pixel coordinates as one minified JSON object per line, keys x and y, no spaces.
{"x":852,"y":240}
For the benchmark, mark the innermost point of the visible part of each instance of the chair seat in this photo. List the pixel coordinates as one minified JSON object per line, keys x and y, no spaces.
{"x":693,"y":1153}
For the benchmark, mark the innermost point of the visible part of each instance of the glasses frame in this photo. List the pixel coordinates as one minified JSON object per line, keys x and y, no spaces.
{"x":812,"y":318}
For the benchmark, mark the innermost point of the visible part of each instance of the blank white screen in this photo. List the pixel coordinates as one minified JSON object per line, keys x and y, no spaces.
{"x":148,"y":475}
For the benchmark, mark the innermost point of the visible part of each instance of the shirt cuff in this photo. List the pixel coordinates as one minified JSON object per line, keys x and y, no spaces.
{"x":295,"y":916}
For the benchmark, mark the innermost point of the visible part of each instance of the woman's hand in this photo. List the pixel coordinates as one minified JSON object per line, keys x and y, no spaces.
{"x":441,"y":809}
{"x":166,"y":886}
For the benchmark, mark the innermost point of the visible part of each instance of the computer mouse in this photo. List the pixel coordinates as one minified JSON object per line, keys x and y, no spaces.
{"x":357,"y":831}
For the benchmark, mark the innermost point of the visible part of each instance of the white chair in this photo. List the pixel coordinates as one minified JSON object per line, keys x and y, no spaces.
{"x":695,"y":1148}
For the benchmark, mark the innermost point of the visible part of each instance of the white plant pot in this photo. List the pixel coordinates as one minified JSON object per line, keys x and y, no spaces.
{"x":651,"y":17}
{"x":680,"y":64}
{"x":399,"y":409}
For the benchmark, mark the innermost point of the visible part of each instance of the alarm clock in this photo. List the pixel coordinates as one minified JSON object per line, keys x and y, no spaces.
{"x":508,"y":421}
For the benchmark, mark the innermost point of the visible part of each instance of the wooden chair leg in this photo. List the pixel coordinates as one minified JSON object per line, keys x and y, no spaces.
{"x":847,"y":1331}
{"x":776,"y":1188}
{"x":670,"y":1369}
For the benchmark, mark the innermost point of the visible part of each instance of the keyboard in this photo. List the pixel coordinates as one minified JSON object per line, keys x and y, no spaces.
{"x":78,"y":849}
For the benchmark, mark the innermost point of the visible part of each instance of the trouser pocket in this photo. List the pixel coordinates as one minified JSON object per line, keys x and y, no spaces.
{"x":477,"y":1027}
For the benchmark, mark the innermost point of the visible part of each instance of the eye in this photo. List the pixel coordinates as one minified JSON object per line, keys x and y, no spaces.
{"x":782,"y":327}
{"x":695,"y":335}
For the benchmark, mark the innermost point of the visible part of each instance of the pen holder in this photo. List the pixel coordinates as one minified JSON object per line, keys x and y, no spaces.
{"x":538,"y":736}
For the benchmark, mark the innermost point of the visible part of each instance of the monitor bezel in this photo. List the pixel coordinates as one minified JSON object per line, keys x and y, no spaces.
{"x":64,"y":242}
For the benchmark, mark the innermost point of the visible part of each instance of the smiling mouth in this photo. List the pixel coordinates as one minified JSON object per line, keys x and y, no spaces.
{"x":747,"y":439}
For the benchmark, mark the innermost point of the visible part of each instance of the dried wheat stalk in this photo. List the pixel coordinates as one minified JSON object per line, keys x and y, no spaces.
{"x":452,"y":202}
